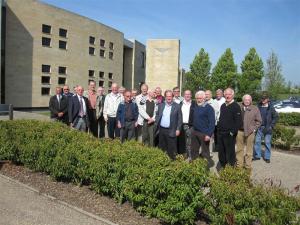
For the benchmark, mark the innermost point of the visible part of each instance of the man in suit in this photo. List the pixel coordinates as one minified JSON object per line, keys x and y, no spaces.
{"x":78,"y":111}
{"x":91,"y":95}
{"x":58,"y":106}
{"x":99,"y":111}
{"x":169,"y":121}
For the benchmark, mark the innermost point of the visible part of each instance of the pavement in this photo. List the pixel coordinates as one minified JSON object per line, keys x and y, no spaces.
{"x":26,"y":115}
{"x":23,"y":205}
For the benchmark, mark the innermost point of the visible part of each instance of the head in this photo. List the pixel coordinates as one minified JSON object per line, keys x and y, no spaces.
{"x":169,"y":96}
{"x":114,"y":88}
{"x":144,"y":89}
{"x":219,"y":94}
{"x":80,"y":90}
{"x":229,"y":94}
{"x":247,"y":100}
{"x":66,"y":89}
{"x":122,"y":90}
{"x":158,"y":91}
{"x":264,"y":99}
{"x":200,"y":97}
{"x":92,"y":85}
{"x":176,"y":91}
{"x":127,"y":96}
{"x":58,"y":90}
{"x":133,"y":93}
{"x":75,"y":89}
{"x":187,"y":95}
{"x":151,"y":94}
{"x":100,"y":91}
{"x":208,"y":95}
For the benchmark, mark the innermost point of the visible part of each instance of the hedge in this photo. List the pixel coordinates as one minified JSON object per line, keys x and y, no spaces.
{"x":176,"y":192}
{"x":289,"y":119}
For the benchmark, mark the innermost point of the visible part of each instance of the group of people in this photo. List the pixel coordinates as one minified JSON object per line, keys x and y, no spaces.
{"x":176,"y":124}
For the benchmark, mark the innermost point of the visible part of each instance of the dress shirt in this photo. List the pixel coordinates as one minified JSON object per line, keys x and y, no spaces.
{"x":185,"y":109}
{"x":92,"y":99}
{"x":166,"y":116}
{"x":83,"y":104}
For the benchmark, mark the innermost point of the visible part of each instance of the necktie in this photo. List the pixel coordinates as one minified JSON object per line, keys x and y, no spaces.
{"x":58,"y":99}
{"x":81,"y":107}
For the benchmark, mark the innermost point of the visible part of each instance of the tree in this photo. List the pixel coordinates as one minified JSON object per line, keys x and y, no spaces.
{"x":274,"y":80}
{"x":198,"y":76}
{"x":252,"y":68}
{"x":225,"y":72}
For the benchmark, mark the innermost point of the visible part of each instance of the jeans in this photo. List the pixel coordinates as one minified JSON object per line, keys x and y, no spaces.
{"x":257,"y":145}
{"x":128,"y":131}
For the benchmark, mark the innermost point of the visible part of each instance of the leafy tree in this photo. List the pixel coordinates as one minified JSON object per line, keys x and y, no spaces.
{"x":224,"y":73}
{"x":274,"y":80}
{"x":198,"y":76}
{"x":252,"y":69}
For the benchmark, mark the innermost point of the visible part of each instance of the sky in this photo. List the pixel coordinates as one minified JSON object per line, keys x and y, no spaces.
{"x":213,"y":25}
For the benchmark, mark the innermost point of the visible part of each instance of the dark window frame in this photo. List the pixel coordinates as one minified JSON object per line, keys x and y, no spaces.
{"x":63,"y":47}
{"x":102,"y":43}
{"x":64,"y":70}
{"x":45,"y":27}
{"x":48,"y":82}
{"x":61,"y":78}
{"x":92,"y":52}
{"x":92,"y":40}
{"x":46,"y":66}
{"x":63,"y":33}
{"x":48,"y":91}
{"x":102,"y":55}
{"x":45,"y":42}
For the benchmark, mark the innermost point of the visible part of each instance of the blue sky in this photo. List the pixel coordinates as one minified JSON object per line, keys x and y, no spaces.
{"x":210,"y":24}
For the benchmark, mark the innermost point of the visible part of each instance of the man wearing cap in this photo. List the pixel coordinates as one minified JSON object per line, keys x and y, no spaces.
{"x":269,"y":118}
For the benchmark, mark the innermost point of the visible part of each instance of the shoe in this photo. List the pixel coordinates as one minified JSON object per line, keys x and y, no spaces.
{"x":254,"y":159}
{"x":267,"y":160}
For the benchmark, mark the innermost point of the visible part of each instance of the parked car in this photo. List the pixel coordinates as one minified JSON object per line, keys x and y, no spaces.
{"x":287,"y":106}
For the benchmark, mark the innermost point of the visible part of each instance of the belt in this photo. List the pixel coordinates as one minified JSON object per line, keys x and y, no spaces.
{"x":81,"y":116}
{"x":164,"y":127}
{"x":129,"y":120}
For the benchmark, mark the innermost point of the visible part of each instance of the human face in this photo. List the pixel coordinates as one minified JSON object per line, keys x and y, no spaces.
{"x":144,"y":90}
{"x":127,"y":96}
{"x":228,"y":96}
{"x":200,"y":99}
{"x":247,"y":100}
{"x":176,"y":93}
{"x":100,"y":91}
{"x":66,"y":90}
{"x":187,"y":96}
{"x":265,"y":101}
{"x":169,"y":97}
{"x":58,"y":91}
{"x":133,"y":93}
{"x":219,"y":94}
{"x":121,"y":91}
{"x":208,"y":95}
{"x":80,"y":90}
{"x":114,"y":88}
{"x":92,"y":86}
{"x":158,"y":92}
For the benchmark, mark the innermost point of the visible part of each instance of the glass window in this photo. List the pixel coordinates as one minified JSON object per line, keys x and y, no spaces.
{"x":101,"y":83}
{"x":61,"y":80}
{"x":111,"y":45}
{"x":102,"y":43}
{"x":101,"y":74}
{"x":102,"y":53}
{"x":45,"y":80}
{"x":62,"y":70}
{"x":91,"y":51}
{"x":45,"y":91}
{"x":46,"y":29}
{"x":111,"y":55}
{"x":62,"y":44}
{"x":91,"y":73}
{"x":110,"y":76}
{"x":63,"y":32}
{"x":46,"y":68}
{"x":46,"y":42}
{"x":92,"y":40}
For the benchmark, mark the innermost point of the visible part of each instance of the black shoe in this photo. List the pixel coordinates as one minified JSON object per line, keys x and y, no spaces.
{"x":254,"y":159}
{"x":267,"y":160}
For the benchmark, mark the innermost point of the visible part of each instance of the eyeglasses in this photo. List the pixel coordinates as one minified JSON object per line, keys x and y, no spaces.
{"x":66,"y":89}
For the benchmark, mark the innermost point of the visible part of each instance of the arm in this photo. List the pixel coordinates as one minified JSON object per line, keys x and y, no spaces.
{"x":70,"y":110}
{"x":142,"y":111}
{"x":65,"y":109}
{"x":52,"y":106}
{"x":211,"y":121}
{"x":179,"y":123}
{"x":237,"y":119}
{"x":105,"y":108}
{"x":275,"y":117}
{"x":258,"y":119}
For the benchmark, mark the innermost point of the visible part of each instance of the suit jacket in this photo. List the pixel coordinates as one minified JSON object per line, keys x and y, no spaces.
{"x":121,"y":112}
{"x":175,"y":118}
{"x":56,"y":107}
{"x":99,"y":106}
{"x":74,"y":108}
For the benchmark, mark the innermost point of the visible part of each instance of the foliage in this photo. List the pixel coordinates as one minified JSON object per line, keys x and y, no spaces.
{"x":284,"y":137}
{"x":224,"y":74}
{"x":289,"y":119}
{"x":199,"y":74}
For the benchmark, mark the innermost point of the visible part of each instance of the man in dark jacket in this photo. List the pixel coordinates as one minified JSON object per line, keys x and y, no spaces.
{"x":269,"y":118}
{"x":58,"y":106}
{"x":127,"y":115}
{"x":229,"y":123}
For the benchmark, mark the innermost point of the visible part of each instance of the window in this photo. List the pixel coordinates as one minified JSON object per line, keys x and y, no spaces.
{"x":111,"y":55}
{"x":109,"y":84}
{"x":45,"y":80}
{"x":62,"y":44}
{"x":46,"y":42}
{"x":46,"y":68}
{"x":62,"y":70}
{"x":101,"y":74}
{"x":91,"y":73}
{"x":63,"y":32}
{"x":102,"y":53}
{"x":61,"y":80}
{"x":46,"y":29}
{"x":143,"y":59}
{"x":111,"y":45}
{"x":45,"y":91}
{"x":102,"y":43}
{"x":90,"y":81}
{"x":110,"y":76}
{"x":101,"y":83}
{"x":92,"y":40}
{"x":91,"y":51}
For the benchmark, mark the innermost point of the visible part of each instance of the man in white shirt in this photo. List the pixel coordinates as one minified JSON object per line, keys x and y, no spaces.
{"x":111,"y":104}
{"x":141,"y":100}
{"x":177,"y":98}
{"x":221,"y":100}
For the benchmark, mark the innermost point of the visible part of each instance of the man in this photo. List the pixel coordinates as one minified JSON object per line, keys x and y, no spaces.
{"x":187,"y":109}
{"x":158,"y":96}
{"x":75,"y":90}
{"x":78,"y":111}
{"x":169,"y":121}
{"x":220,"y":100}
{"x":229,"y":123}
{"x":91,"y":95}
{"x":58,"y":106}
{"x":203,"y":128}
{"x":111,"y":104}
{"x":121,"y":90}
{"x":213,"y":103}
{"x":133,"y":95}
{"x":99,"y":112}
{"x":219,"y":97}
{"x":269,"y":118}
{"x":127,"y":115}
{"x":141,"y":103}
{"x":148,"y":123}
{"x":66,"y":91}
{"x":245,"y":138}
{"x":177,"y":98}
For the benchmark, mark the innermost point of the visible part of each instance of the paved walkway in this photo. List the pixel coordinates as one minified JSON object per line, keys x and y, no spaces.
{"x":22,"y":205}
{"x":26,"y":115}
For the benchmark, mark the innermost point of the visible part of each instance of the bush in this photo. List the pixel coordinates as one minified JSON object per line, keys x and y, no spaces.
{"x":285,"y":137}
{"x":176,"y":192}
{"x":289,"y":119}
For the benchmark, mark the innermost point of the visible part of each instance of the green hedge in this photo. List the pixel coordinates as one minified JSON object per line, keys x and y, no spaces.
{"x":289,"y":119}
{"x":284,"y":137}
{"x":176,"y":192}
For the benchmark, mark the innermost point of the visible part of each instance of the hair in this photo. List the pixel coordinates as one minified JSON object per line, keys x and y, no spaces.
{"x":144,"y":85}
{"x":198,"y":93}
{"x":188,"y":91}
{"x":175,"y":88}
{"x":169,"y":91}
{"x":219,"y":90}
{"x":229,"y":89}
{"x":209,"y":92}
{"x":247,"y":95}
{"x":127,"y":91}
{"x":92,"y":81}
{"x":114,"y":84}
{"x":134,"y":89}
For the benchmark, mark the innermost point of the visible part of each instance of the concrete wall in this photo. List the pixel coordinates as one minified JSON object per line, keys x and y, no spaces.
{"x":128,"y":68}
{"x":25,"y":54}
{"x":1,"y":3}
{"x":162,"y":63}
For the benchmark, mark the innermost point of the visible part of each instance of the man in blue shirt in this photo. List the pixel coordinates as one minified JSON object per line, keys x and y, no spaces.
{"x":169,"y":121}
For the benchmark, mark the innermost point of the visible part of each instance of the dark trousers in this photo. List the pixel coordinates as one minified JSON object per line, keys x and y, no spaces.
{"x":167,"y":143}
{"x":112,"y":127}
{"x":128,"y":131}
{"x":93,"y":122}
{"x":226,"y":148}
{"x":148,"y":134}
{"x":216,"y":138}
{"x":101,"y":127}
{"x":197,"y":142}
{"x":184,"y":140}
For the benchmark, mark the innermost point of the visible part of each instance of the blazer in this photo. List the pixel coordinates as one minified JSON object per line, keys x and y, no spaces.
{"x":55,"y":107}
{"x":175,"y":118}
{"x":74,"y":108}
{"x":121,"y":112}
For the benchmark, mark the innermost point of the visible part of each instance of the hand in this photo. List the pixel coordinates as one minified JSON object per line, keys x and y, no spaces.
{"x":150,"y":120}
{"x":206,"y":138}
{"x":71,"y":125}
{"x":136,"y":124}
{"x":105,"y":119}
{"x":60,"y":114}
{"x":177,"y":133}
{"x":119,"y":124}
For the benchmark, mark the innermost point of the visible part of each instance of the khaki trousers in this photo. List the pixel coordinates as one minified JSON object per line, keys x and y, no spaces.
{"x":244,"y":150}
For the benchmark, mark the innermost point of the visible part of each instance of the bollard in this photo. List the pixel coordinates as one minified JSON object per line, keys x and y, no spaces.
{"x":11,"y":112}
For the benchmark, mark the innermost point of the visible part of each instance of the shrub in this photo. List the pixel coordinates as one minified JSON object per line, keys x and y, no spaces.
{"x":284,"y":137}
{"x":289,"y":119}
